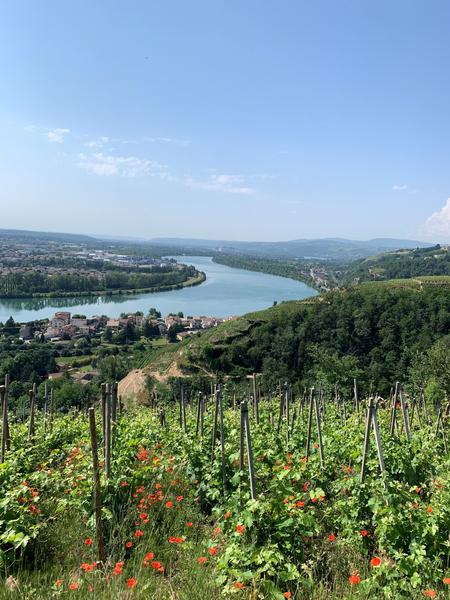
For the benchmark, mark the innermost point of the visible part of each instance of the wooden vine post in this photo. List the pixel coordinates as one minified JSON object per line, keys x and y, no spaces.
{"x":245,"y":424}
{"x":32,"y":410}
{"x":97,"y":495}
{"x":4,"y":422}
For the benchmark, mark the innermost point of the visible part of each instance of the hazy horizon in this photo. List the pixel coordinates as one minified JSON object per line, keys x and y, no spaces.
{"x":226,"y":120}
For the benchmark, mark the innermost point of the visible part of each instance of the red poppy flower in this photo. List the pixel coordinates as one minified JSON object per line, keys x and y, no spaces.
{"x":73,"y":585}
{"x":238,"y":585}
{"x":429,"y":593}
{"x":149,"y":556}
{"x":376,"y":561}
{"x":446,"y":580}
{"x":87,"y":568}
{"x":299,"y":504}
{"x":131,"y":582}
{"x":287,"y":595}
{"x":227,"y":515}
{"x":240,"y":529}
{"x":124,"y":484}
{"x":88,"y":542}
{"x":363,"y":532}
{"x":156,"y":565}
{"x":354,"y":579}
{"x":429,"y":509}
{"x":169,"y":504}
{"x":129,"y":545}
{"x":202,"y":560}
{"x":59,"y":582}
{"x":331,"y":537}
{"x":213,"y":550}
{"x":179,"y":498}
{"x":189,"y":524}
{"x":175,"y":540}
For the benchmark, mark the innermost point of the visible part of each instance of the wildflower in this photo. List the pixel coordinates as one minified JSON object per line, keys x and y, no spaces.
{"x":156,"y":565}
{"x":227,"y":515}
{"x":91,"y":587}
{"x":213,"y":550}
{"x":354,"y":579}
{"x":59,"y":582}
{"x":139,"y":533}
{"x":149,"y":556}
{"x":305,"y":487}
{"x":313,"y":500}
{"x":215,"y":532}
{"x":446,"y":580}
{"x":129,"y":545}
{"x":88,"y":542}
{"x":118,"y":568}
{"x":363,"y":532}
{"x":202,"y":560}
{"x":176,"y":540}
{"x":331,"y":537}
{"x":238,"y":585}
{"x":240,"y":529}
{"x":189,"y":524}
{"x":131,"y":582}
{"x":179,"y":498}
{"x":124,"y":484}
{"x":299,"y":504}
{"x":73,"y":585}
{"x":429,"y":593}
{"x":287,"y":595}
{"x":143,"y":516}
{"x":376,"y":561}
{"x":429,"y":509}
{"x":87,"y":568}
{"x":169,"y":504}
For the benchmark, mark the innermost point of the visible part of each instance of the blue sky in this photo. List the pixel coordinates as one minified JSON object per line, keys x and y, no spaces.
{"x":236,"y":119}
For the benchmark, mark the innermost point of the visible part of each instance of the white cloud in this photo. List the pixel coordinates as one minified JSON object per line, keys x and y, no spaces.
{"x":231,"y":184}
{"x":166,"y":140}
{"x":57,"y":135}
{"x":98,"y":142}
{"x":123,"y":166}
{"x":404,"y":188}
{"x":438,"y":223}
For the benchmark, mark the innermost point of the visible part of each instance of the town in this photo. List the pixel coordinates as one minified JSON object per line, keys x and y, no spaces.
{"x":65,"y":326}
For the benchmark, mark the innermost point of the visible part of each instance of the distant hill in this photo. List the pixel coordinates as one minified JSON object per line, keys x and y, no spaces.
{"x":326,"y":248}
{"x":24,"y":235}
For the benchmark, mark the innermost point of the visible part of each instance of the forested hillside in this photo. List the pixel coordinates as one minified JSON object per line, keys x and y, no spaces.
{"x":402,"y":264}
{"x":377,"y":332}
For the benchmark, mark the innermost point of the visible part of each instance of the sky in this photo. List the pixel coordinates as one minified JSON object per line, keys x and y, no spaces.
{"x":226,"y":119}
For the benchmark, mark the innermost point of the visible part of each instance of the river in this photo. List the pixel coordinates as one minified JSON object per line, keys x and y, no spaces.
{"x":227,"y":291}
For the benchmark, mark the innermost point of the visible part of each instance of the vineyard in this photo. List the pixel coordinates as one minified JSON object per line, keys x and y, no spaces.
{"x":221,"y":495}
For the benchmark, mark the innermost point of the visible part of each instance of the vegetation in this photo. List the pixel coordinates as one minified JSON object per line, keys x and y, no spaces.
{"x":403,"y":264}
{"x":26,"y":284}
{"x":179,"y":520}
{"x":383,"y":329}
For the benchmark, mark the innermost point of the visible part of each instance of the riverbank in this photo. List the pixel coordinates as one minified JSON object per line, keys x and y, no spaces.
{"x":199,"y":278}
{"x":269,"y":267}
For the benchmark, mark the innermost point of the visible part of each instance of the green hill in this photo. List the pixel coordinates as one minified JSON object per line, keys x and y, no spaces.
{"x":401,"y":264}
{"x":376,"y":331}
